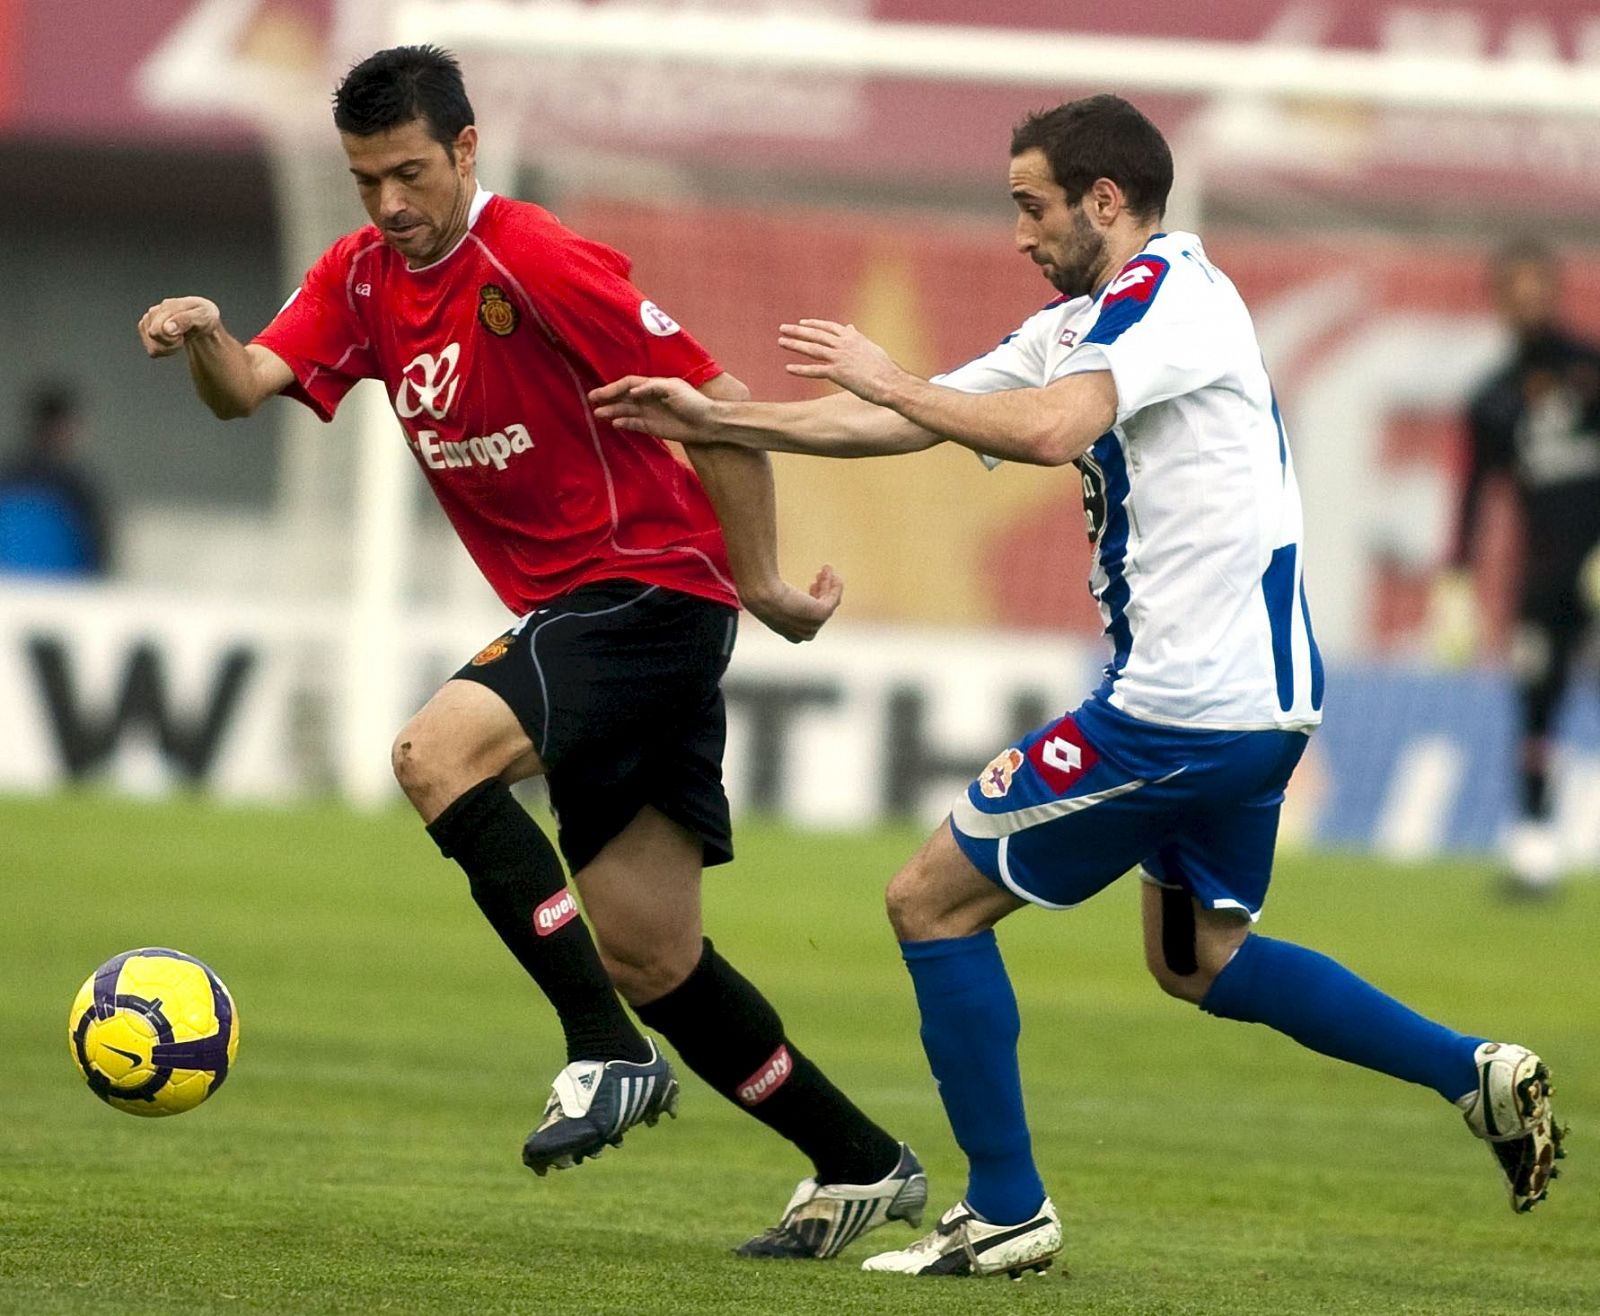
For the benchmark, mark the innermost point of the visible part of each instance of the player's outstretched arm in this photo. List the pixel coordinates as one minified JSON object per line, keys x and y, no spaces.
{"x":840,"y":425}
{"x":1047,"y":426}
{"x":231,"y":378}
{"x":739,"y":483}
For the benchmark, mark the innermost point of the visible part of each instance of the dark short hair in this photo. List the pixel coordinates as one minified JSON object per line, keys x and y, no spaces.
{"x":1101,"y":137}
{"x":400,"y":84}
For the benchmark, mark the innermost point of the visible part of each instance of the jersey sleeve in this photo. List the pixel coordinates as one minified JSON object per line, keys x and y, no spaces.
{"x":1016,"y":361}
{"x":319,"y":336}
{"x":1155,"y":337}
{"x":592,"y":307}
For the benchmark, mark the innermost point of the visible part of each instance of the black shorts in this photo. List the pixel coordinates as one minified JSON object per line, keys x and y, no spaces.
{"x":618,"y":686}
{"x":1551,"y":597}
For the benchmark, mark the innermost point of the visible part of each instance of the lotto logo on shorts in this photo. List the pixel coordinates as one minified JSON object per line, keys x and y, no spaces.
{"x":555,"y":913}
{"x":768,"y":1079}
{"x":1062,"y":756}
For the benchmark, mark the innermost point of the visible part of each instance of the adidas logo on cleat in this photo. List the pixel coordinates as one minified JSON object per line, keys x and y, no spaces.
{"x":592,"y":1103}
{"x":823,"y":1219}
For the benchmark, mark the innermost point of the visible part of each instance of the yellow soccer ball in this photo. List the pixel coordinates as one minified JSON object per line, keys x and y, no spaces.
{"x":153,"y":1032}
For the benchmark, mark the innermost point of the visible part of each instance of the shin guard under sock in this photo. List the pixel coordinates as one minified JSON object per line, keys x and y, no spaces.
{"x":729,"y":1035}
{"x":970,"y":1028}
{"x":1325,"y":1007}
{"x":518,"y":882}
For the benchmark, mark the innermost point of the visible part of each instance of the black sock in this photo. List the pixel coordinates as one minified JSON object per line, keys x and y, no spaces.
{"x":1535,"y":792}
{"x":518,"y":882}
{"x":729,"y":1035}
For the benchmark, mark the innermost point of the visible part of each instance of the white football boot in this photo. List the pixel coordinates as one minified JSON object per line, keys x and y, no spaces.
{"x":823,"y":1219}
{"x":1511,"y":1112}
{"x":962,"y":1244}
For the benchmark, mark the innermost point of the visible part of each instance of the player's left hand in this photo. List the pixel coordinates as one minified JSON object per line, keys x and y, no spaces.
{"x":843,"y":354}
{"x":793,"y":613}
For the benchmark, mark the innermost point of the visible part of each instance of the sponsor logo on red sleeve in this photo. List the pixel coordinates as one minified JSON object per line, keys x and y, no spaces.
{"x":555,"y":913}
{"x":1062,"y":756}
{"x":657,"y":321}
{"x":768,"y":1079}
{"x":1137,"y":281}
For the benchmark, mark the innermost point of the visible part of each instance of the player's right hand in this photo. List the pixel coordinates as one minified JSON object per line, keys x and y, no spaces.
{"x":167,"y":325}
{"x":666,"y":408}
{"x":794,"y":614}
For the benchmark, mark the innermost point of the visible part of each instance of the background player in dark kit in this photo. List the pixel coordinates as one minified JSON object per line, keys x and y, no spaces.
{"x":1535,"y":422}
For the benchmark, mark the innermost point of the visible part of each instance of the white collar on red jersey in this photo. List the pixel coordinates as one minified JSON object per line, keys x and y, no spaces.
{"x":480,"y":199}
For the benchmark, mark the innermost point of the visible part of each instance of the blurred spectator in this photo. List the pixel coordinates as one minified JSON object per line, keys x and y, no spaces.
{"x":52,"y":517}
{"x":1536,"y":423}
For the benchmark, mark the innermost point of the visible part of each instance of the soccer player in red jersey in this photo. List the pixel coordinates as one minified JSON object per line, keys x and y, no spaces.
{"x":488,"y":323}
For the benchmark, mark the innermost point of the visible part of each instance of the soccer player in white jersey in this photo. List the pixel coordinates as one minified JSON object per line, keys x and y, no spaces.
{"x":1146,"y":373}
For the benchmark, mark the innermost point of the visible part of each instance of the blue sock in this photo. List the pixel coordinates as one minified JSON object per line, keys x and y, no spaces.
{"x":1322,"y":1005}
{"x":970,"y":1028}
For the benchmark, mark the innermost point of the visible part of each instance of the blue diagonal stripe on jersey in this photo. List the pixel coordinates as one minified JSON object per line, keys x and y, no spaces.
{"x":1277,"y":588}
{"x":1114,"y":552}
{"x":1121,"y":311}
{"x":1316,"y":654}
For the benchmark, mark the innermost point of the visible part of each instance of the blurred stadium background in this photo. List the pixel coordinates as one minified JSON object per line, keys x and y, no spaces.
{"x":1340,"y":162}
{"x":282,"y":594}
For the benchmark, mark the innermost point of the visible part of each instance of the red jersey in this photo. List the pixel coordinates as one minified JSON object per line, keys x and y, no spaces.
{"x":487,"y":355}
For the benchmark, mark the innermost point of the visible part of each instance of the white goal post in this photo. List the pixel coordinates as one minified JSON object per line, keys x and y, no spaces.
{"x":1000,"y":56}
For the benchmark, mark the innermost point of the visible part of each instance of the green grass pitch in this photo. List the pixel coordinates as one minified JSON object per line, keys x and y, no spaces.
{"x":364,"y":1153}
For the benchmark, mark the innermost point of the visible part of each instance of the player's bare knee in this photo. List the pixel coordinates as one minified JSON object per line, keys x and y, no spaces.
{"x":1217,"y":939}
{"x":625,"y":977}
{"x":912,"y":914}
{"x":642,"y":974}
{"x":428,"y":777}
{"x":1190,"y":987}
{"x":1216,"y":950}
{"x":408,"y":762}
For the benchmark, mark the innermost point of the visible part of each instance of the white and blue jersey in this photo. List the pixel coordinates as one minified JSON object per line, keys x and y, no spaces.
{"x":1190,"y":499}
{"x":1178,"y":761}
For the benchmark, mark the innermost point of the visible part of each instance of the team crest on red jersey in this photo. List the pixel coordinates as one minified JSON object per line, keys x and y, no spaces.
{"x":995,"y":780}
{"x":495,"y":311}
{"x":1062,"y":756}
{"x":494,"y":650}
